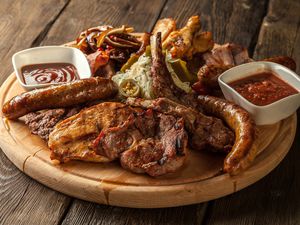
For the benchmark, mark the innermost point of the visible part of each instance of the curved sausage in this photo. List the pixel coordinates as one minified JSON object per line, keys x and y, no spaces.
{"x":283,"y":60}
{"x":243,"y":151}
{"x":63,"y":95}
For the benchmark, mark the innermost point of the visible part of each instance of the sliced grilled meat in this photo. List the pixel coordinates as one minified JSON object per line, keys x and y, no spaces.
{"x":42,"y":122}
{"x":146,"y":141}
{"x":205,"y":131}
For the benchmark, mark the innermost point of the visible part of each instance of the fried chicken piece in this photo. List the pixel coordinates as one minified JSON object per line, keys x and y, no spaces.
{"x":165,"y":27}
{"x":188,"y":40}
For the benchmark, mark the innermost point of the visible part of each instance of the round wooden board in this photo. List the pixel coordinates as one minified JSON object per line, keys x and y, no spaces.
{"x":200,"y":180}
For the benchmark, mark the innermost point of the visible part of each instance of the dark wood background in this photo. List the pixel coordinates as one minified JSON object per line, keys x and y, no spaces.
{"x":267,"y":28}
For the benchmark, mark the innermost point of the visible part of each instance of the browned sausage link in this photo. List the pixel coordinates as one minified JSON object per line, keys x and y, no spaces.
{"x":283,"y":60}
{"x":63,"y":95}
{"x":243,"y":152}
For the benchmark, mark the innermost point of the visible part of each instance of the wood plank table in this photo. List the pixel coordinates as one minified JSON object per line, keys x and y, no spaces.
{"x":267,"y":28}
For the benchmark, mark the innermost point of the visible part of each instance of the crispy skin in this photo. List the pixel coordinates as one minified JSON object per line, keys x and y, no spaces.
{"x":243,"y":151}
{"x":145,"y":141}
{"x":165,"y":27}
{"x":180,"y":42}
{"x":205,"y":131}
{"x":72,"y":138}
{"x":64,"y":95}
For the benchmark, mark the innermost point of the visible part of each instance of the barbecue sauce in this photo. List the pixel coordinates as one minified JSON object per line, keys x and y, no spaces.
{"x":263,"y":88}
{"x":49,"y":73}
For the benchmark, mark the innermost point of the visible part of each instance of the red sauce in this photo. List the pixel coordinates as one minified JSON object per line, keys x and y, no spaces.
{"x":263,"y":88}
{"x":49,"y":73}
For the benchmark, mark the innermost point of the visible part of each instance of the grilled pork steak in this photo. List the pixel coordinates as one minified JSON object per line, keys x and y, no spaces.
{"x":146,"y":141}
{"x":42,"y":122}
{"x":205,"y":131}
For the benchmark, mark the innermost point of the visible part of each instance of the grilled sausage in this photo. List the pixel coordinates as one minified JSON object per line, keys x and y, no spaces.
{"x":283,"y":60}
{"x":243,"y":151}
{"x":63,"y":95}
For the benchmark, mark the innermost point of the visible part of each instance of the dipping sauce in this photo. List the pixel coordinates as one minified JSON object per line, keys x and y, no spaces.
{"x":49,"y":73}
{"x":263,"y":88}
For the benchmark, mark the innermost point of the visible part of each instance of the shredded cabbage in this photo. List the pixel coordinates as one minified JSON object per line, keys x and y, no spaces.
{"x":140,"y":73}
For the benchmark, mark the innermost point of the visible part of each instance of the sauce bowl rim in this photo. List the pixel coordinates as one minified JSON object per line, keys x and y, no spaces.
{"x":256,"y":64}
{"x":37,"y":86}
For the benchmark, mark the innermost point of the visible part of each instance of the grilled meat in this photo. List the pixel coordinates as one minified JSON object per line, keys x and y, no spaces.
{"x":204,"y":131}
{"x":63,"y":95}
{"x":162,"y":82}
{"x":146,"y":141}
{"x":209,"y":132}
{"x":42,"y":122}
{"x":188,"y":40}
{"x":165,"y":27}
{"x":283,"y":60}
{"x":243,"y":151}
{"x":224,"y":57}
{"x":217,"y":61}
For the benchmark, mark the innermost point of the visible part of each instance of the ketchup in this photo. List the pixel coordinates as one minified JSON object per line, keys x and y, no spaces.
{"x":263,"y":88}
{"x":49,"y":73}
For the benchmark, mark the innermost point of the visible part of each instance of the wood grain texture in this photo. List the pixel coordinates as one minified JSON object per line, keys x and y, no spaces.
{"x":280,"y":31}
{"x":275,"y":199}
{"x":140,"y":14}
{"x":183,"y":10}
{"x":107,"y":183}
{"x":100,"y":214}
{"x":236,"y":21}
{"x":21,"y":22}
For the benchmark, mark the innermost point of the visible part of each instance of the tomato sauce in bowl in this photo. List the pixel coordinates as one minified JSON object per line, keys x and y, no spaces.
{"x":263,"y":88}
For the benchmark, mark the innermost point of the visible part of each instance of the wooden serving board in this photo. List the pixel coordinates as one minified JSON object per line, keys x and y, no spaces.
{"x":200,"y":180}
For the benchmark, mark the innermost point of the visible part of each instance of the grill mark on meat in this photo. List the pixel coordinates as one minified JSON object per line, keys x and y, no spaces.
{"x":145,"y":141}
{"x":205,"y":131}
{"x":42,"y":123}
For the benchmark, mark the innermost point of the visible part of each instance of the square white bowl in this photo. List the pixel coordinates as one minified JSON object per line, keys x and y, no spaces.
{"x":270,"y":113}
{"x":50,"y":54}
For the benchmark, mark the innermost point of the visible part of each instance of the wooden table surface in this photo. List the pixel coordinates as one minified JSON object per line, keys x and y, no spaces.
{"x":267,"y":28}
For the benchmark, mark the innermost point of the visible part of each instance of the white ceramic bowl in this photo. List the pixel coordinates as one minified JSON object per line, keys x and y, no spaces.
{"x":267,"y":114}
{"x":50,"y":54}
